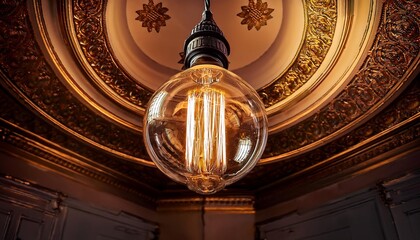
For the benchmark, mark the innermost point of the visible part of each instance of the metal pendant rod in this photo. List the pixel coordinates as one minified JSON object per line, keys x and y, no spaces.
{"x":207,"y":5}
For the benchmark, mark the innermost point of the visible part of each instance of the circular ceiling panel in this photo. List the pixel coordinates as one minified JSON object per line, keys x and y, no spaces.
{"x":151,"y":57}
{"x":307,"y":66}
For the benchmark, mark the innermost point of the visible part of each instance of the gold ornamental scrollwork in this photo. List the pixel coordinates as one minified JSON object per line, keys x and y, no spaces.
{"x":403,"y":112}
{"x":391,"y":59}
{"x":394,"y":53}
{"x":89,"y":25}
{"x":321,"y":19}
{"x":25,"y":71}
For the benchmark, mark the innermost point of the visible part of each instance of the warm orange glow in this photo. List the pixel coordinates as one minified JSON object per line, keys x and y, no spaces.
{"x":206,"y":135}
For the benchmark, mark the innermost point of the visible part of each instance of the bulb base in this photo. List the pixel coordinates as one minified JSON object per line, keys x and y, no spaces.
{"x":206,"y":42}
{"x":205,"y":184}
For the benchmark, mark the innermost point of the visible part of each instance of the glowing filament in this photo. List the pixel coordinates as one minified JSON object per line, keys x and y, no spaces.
{"x":206,"y":141}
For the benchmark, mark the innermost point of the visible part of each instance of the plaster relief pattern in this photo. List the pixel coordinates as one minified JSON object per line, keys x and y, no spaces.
{"x":29,"y":74}
{"x":88,"y":18}
{"x":384,"y":71}
{"x":324,"y":175}
{"x":321,"y":21}
{"x":401,"y":110}
{"x":153,"y":16}
{"x":12,"y":113}
{"x":256,"y":14}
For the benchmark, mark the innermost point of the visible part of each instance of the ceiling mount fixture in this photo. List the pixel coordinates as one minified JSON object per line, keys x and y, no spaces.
{"x":205,"y":127}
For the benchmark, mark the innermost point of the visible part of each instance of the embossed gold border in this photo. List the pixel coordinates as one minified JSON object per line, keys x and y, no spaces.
{"x":43,"y":92}
{"x":52,"y":53}
{"x":312,"y":52}
{"x":392,"y":59}
{"x":86,"y":28}
{"x":325,"y":125}
{"x":401,"y":141}
{"x":320,"y":22}
{"x":401,"y":114}
{"x":225,"y":204}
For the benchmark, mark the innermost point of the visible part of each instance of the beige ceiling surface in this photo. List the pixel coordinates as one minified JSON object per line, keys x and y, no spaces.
{"x":333,"y":75}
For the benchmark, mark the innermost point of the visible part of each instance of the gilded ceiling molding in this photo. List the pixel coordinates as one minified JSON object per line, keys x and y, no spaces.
{"x":60,"y":161}
{"x":27,"y":73}
{"x":35,"y":128}
{"x":342,"y":168}
{"x":228,"y":204}
{"x":88,"y":19}
{"x":402,"y":113}
{"x":393,"y":56}
{"x":321,"y":19}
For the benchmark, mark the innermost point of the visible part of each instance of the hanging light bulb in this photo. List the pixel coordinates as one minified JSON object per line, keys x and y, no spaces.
{"x":205,"y":127}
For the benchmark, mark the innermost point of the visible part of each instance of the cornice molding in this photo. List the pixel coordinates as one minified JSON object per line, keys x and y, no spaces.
{"x":37,"y":151}
{"x":229,"y":204}
{"x":27,"y":74}
{"x":404,"y":140}
{"x":320,"y":23}
{"x":403,"y":112}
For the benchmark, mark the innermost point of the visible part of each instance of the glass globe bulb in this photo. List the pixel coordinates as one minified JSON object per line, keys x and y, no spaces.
{"x":205,"y":128}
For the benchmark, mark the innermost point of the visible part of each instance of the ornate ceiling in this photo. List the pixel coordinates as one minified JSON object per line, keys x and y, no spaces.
{"x":336,"y":77}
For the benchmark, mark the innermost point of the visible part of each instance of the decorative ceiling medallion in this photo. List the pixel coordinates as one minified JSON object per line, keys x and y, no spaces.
{"x":320,"y":17}
{"x":153,"y":16}
{"x":385,"y":69}
{"x":256,"y":14}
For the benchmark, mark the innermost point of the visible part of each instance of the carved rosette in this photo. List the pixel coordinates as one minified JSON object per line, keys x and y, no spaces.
{"x":153,"y":16}
{"x":256,"y":14}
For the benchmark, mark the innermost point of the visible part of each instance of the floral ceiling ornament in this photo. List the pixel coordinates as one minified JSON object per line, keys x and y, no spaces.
{"x":256,"y":14}
{"x":153,"y":16}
